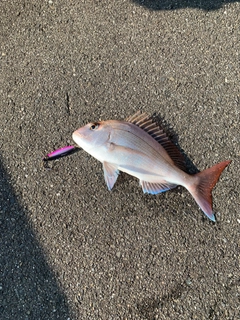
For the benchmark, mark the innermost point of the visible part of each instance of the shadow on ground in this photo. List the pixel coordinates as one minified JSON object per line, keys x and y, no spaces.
{"x":28,"y":287}
{"x":207,"y":5}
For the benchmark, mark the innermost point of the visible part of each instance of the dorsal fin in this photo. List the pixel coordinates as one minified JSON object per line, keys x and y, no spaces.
{"x":143,"y":121}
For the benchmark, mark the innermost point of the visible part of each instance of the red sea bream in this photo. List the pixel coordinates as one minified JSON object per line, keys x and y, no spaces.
{"x":139,"y":147}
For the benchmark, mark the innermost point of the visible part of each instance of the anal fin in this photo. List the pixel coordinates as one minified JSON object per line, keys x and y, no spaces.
{"x":110,"y":174}
{"x":155,"y":188}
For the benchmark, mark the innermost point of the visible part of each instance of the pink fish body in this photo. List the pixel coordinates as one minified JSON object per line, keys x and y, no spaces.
{"x":140,"y":148}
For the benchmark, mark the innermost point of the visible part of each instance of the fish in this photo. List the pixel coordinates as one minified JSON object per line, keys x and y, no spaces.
{"x":141,"y":148}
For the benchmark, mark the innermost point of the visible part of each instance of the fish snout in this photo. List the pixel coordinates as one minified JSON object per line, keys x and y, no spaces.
{"x":76,"y":136}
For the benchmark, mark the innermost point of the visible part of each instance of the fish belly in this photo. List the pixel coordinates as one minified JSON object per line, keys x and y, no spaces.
{"x":162,"y":175}
{"x":150,"y":168}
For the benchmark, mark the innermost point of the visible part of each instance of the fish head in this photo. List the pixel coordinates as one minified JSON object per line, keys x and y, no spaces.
{"x":92,"y":136}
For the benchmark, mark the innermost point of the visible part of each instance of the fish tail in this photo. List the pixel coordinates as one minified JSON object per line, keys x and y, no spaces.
{"x":204,"y":183}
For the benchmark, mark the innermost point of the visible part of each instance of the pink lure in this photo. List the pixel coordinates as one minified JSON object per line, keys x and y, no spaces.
{"x":59,"y":153}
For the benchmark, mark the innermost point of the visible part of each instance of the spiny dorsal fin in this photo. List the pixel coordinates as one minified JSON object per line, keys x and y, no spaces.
{"x":143,"y":121}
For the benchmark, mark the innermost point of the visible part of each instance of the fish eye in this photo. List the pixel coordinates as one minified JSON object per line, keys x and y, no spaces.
{"x":94,"y":126}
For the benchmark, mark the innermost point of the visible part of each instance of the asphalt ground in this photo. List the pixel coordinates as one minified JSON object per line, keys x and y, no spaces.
{"x":70,"y":249}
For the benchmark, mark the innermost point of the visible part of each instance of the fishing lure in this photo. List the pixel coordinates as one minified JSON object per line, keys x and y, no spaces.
{"x":59,"y":153}
{"x":56,"y":154}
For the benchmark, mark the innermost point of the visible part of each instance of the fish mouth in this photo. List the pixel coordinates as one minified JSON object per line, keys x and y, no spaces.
{"x":80,"y":139}
{"x":76,"y":135}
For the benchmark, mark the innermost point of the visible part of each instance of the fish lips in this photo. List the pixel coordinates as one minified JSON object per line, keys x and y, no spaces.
{"x":81,"y":139}
{"x":77,"y":136}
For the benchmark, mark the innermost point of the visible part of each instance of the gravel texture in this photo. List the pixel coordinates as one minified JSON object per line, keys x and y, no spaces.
{"x":69,"y":248}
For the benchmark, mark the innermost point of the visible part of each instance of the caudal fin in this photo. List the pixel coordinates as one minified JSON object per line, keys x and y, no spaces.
{"x":202,"y":191}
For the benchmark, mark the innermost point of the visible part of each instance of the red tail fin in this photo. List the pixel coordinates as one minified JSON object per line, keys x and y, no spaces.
{"x":202,"y":191}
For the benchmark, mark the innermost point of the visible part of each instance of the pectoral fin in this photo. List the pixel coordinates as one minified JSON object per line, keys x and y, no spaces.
{"x":154,"y":188}
{"x":110,"y":174}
